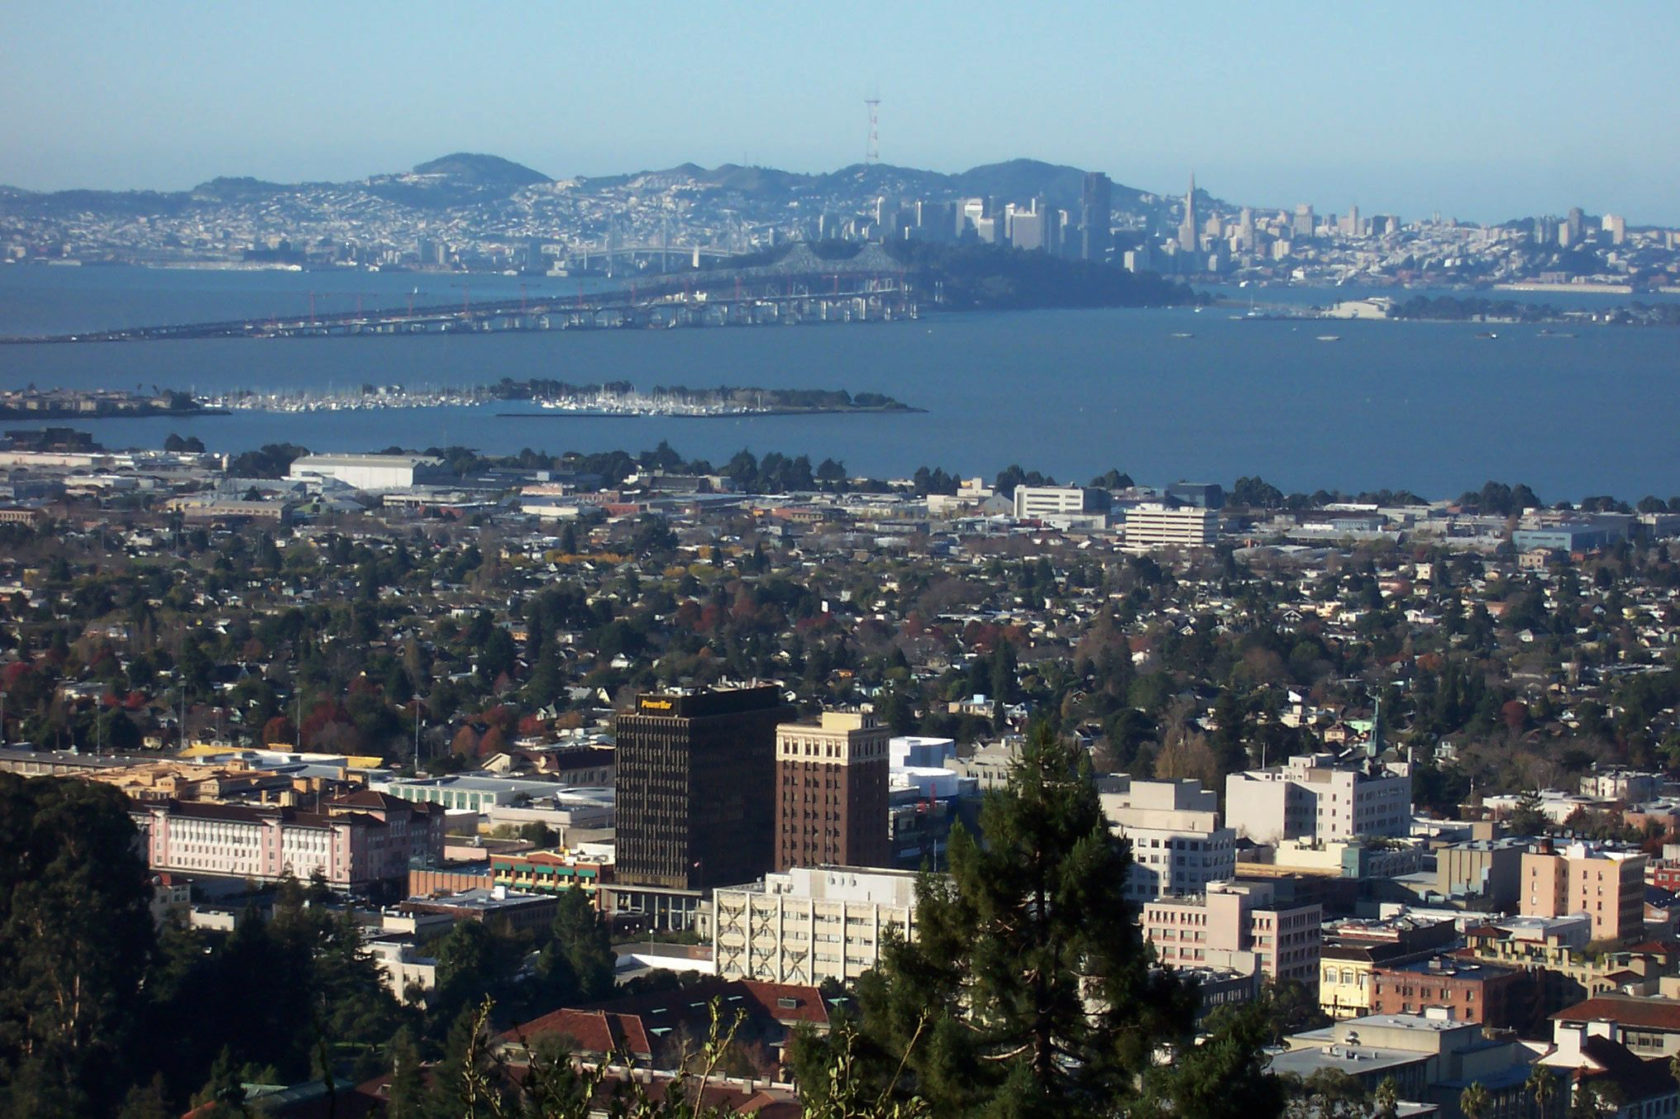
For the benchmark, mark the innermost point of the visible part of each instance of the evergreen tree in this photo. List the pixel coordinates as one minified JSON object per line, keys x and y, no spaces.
{"x":75,"y":937}
{"x":1223,"y":1077}
{"x":1028,"y":989}
{"x":577,"y":963}
{"x":408,"y":1089}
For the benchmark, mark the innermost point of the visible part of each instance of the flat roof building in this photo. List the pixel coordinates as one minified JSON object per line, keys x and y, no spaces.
{"x":1178,"y":847}
{"x":1237,"y":925}
{"x":1608,"y":886}
{"x":1318,"y":796}
{"x":811,"y":923}
{"x":695,"y":796}
{"x":1150,"y":526}
{"x":831,"y":792}
{"x":372,"y":473}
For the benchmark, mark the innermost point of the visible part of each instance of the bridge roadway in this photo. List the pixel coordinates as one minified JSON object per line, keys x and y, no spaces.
{"x":691,"y":292}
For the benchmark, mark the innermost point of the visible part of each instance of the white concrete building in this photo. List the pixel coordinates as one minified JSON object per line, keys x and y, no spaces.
{"x":1037,"y":503}
{"x":1178,"y":847}
{"x":1151,"y":526}
{"x":811,"y":924}
{"x":1318,"y":797}
{"x":402,"y":968}
{"x":371,"y":473}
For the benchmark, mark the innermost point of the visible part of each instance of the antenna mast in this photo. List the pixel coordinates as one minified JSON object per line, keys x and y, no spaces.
{"x":873,"y":153}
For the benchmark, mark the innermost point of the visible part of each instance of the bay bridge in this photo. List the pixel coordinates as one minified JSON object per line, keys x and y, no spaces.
{"x":799,"y":288}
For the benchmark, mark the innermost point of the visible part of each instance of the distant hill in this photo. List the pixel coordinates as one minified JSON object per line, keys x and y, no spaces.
{"x":484,"y":195}
{"x":242,"y":189}
{"x":482,"y":170}
{"x":1017,"y":180}
{"x":465,"y":178}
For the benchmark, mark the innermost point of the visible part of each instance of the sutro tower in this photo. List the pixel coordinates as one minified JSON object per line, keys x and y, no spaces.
{"x":873,"y":154}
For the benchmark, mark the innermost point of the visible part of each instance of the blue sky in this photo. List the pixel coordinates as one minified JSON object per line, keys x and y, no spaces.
{"x":1481,"y":110}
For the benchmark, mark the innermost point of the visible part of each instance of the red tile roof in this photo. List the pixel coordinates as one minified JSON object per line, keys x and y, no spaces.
{"x":592,"y":1031}
{"x":1643,"y":1013}
{"x":775,"y":998}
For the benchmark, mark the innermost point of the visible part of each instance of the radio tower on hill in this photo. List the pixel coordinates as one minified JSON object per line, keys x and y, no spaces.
{"x":873,"y":154}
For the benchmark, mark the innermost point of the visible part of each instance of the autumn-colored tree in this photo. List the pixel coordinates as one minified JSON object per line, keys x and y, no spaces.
{"x":493,"y":742}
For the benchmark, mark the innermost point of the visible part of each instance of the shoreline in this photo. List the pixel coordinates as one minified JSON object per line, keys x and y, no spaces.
{"x":752,"y":414}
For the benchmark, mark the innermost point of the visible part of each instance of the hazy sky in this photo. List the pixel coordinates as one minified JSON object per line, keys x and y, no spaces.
{"x":1477,"y":109}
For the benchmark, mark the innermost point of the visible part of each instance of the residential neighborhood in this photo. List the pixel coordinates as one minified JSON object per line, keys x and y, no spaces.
{"x":1402,"y":767}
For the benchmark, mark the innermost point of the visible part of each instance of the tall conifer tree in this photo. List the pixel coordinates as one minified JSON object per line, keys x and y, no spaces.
{"x":1028,"y":989}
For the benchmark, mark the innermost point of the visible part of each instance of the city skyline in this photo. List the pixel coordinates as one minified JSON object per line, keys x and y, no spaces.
{"x":1484,"y":114}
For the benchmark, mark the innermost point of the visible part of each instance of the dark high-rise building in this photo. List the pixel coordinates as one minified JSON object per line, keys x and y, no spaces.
{"x":694,"y":795}
{"x":831,"y":792}
{"x":1096,"y":212}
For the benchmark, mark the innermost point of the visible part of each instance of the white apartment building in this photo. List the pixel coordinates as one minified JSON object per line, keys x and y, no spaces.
{"x":1237,"y":925}
{"x":1317,"y":796}
{"x":811,"y":924}
{"x":1151,"y":526}
{"x":1178,"y":847}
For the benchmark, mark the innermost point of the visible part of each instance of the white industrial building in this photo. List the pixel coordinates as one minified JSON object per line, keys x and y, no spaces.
{"x":1178,"y":846}
{"x":811,"y":924}
{"x":372,"y":473}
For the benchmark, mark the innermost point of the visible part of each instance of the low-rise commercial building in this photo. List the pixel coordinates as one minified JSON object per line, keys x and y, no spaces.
{"x":1493,"y":996}
{"x":1431,"y":1057}
{"x":497,"y":905}
{"x":1554,"y":951}
{"x":1353,"y":950}
{"x":372,"y":473}
{"x":553,"y":872}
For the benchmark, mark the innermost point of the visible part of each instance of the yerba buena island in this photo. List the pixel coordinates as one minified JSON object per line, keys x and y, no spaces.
{"x":939,"y":561}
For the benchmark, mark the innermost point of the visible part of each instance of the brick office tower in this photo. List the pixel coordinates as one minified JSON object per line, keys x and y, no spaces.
{"x":831,"y":792}
{"x":694,"y":772}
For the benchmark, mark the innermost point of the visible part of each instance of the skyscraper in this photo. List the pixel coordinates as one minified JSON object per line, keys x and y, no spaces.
{"x":1096,"y":210}
{"x":831,"y":792}
{"x":1305,"y":224}
{"x":1189,"y":233}
{"x":694,"y":777}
